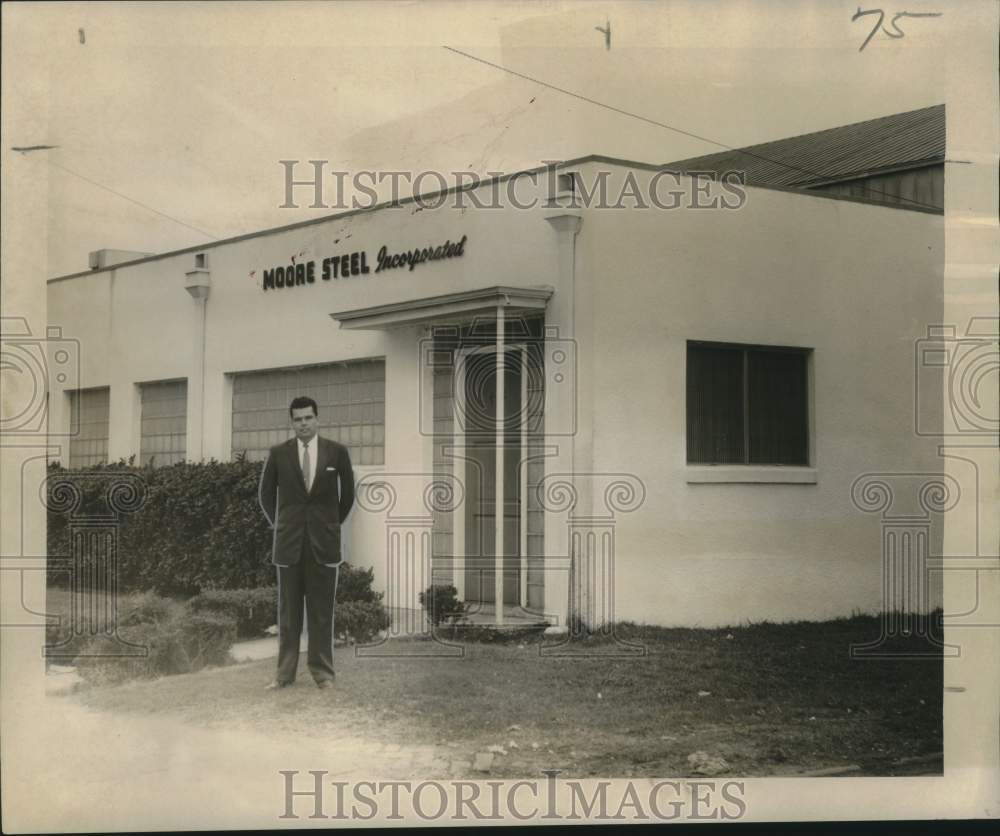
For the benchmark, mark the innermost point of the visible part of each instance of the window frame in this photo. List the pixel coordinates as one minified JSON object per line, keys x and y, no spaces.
{"x":77,"y":435}
{"x":285,"y":431}
{"x":166,"y":456}
{"x":747,"y":471}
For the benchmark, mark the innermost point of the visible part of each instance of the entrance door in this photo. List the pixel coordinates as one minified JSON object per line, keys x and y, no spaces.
{"x":479,"y":414}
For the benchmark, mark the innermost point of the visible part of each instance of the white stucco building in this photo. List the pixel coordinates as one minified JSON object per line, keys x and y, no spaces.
{"x":691,"y":394}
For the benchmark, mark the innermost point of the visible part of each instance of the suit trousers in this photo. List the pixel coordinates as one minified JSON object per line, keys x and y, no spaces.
{"x":317,"y":584}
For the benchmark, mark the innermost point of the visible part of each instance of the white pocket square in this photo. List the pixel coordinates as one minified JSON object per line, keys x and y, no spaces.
{"x":331,"y":468}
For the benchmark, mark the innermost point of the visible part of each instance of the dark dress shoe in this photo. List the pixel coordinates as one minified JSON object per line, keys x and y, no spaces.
{"x":274,"y":686}
{"x":323,"y":684}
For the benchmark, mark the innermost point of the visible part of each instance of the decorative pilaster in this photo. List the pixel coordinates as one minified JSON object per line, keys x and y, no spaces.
{"x":560,"y":404}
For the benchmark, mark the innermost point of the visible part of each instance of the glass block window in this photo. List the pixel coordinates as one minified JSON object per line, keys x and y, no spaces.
{"x":90,"y":411}
{"x":163,"y":429}
{"x":351,"y":399}
{"x":747,"y":404}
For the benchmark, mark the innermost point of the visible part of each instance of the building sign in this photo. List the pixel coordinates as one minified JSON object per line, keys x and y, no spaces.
{"x":348,"y":265}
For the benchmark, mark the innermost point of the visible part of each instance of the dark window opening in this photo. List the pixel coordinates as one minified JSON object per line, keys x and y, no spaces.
{"x":747,"y":404}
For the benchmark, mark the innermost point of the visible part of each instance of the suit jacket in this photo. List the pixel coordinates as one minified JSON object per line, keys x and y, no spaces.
{"x":294,"y":513}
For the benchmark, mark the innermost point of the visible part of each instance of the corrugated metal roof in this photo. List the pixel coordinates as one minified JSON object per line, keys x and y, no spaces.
{"x":884,"y":144}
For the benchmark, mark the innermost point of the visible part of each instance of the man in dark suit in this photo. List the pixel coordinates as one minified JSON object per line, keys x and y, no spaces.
{"x":301,"y":499}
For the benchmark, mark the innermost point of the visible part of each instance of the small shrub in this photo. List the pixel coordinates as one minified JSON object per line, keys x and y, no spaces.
{"x":131,"y":611}
{"x":257,"y":609}
{"x":254,"y":610}
{"x":205,"y":639}
{"x":360,"y":621}
{"x":145,"y":608}
{"x":356,"y":585}
{"x":104,"y":661}
{"x":442,"y":604}
{"x":176,"y":641}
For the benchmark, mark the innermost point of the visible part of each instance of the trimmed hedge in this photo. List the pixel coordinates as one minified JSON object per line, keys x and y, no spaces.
{"x":201,"y":534}
{"x":200,"y":528}
{"x":253,"y":610}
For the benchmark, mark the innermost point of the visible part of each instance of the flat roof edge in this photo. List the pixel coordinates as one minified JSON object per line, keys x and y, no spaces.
{"x":590,"y":158}
{"x":405,"y":201}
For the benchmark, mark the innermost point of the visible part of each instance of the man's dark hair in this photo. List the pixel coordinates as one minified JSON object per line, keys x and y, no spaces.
{"x":301,"y":402}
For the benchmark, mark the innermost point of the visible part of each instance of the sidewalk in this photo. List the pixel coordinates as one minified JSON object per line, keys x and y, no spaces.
{"x":62,"y":680}
{"x":107,"y":772}
{"x":253,"y":650}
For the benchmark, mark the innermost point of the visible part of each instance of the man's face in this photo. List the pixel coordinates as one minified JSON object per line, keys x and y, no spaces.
{"x":305,"y":423}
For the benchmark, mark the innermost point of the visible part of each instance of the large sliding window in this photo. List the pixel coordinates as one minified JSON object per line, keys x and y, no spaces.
{"x":90,"y":412}
{"x":747,"y":404}
{"x":163,"y":425}
{"x":350,"y":396}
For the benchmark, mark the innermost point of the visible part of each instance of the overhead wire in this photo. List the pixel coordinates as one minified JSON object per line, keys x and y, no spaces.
{"x":132,"y":200}
{"x":668,"y":127}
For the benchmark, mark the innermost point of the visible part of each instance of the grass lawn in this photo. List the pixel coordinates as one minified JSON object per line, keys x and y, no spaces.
{"x":780,"y":699}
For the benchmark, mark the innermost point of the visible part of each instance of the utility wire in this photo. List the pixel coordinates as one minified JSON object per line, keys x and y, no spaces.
{"x":649,"y":121}
{"x":133,"y":200}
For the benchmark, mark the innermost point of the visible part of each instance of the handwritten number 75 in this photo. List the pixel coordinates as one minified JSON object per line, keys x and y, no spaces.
{"x":895,"y":32}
